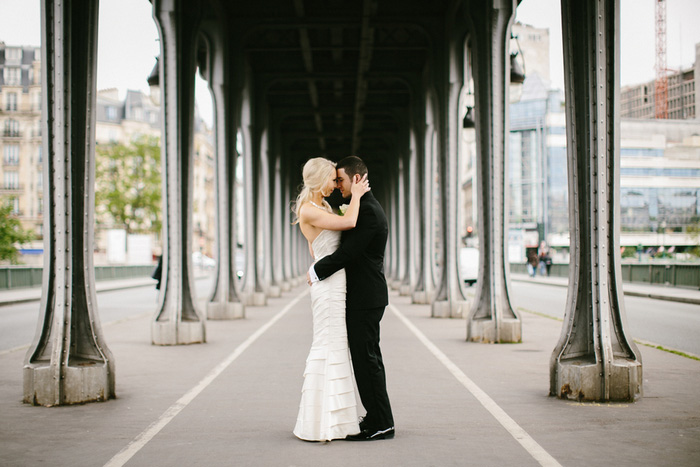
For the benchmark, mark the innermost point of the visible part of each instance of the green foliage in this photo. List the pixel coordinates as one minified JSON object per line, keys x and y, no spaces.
{"x":11,"y":233}
{"x":128,"y":185}
{"x":629,"y":252}
{"x":693,"y":231}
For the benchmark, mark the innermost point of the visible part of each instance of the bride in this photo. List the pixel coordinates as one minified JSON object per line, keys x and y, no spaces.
{"x":328,"y":408}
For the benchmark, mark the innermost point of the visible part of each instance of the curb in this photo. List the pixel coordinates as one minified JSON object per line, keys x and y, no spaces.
{"x":668,"y":298}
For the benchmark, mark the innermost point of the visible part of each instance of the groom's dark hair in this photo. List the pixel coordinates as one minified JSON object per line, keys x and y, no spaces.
{"x":352,"y":165}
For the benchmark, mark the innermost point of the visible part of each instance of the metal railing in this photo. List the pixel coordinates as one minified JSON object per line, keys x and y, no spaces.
{"x":16,"y":277}
{"x":671,"y":274}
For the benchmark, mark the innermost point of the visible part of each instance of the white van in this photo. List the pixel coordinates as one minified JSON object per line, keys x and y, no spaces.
{"x":469,"y":264}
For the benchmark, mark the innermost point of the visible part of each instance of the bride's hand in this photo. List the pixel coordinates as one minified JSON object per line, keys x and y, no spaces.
{"x":360,"y":186}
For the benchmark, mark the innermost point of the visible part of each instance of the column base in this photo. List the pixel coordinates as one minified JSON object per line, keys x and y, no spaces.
{"x":405,"y":290}
{"x":91,"y":381}
{"x":485,"y":330}
{"x":274,"y":291}
{"x":225,"y":310}
{"x":286,"y":286}
{"x":178,"y":332}
{"x":581,"y":380}
{"x":447,"y":309}
{"x":395,"y":285}
{"x":254,"y":299}
{"x":422,"y":297}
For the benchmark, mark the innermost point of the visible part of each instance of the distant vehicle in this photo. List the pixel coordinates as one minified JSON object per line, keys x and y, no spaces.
{"x":469,"y":265}
{"x":203,"y":261}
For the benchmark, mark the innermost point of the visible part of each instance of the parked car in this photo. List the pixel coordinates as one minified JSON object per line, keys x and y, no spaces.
{"x":469,"y":265}
{"x":203,"y":261}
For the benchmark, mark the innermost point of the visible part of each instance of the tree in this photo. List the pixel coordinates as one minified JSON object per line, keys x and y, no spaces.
{"x":693,"y":231}
{"x":128,"y":185}
{"x":11,"y":233}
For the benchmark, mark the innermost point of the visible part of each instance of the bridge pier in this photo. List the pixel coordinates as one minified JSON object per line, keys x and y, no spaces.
{"x":177,"y":320}
{"x":68,"y":362}
{"x":594,"y":360}
{"x":492,"y":317}
{"x":449,"y":300}
{"x":224,"y":302}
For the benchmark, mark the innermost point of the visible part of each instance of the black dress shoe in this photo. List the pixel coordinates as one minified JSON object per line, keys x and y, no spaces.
{"x":371,"y":435}
{"x":363,"y":424}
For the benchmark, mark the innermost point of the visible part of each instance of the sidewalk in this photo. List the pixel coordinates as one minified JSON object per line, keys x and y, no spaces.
{"x":658,"y":292}
{"x":12,"y":296}
{"x":234,"y":400}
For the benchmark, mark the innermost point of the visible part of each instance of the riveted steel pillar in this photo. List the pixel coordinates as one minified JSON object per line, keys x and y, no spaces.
{"x":392,"y":219}
{"x":399,"y":209}
{"x":492,"y":317}
{"x":68,"y":362}
{"x":278,"y":217}
{"x":594,"y":360}
{"x":411,"y":187}
{"x":177,"y":320}
{"x":224,"y":302}
{"x":418,"y":197}
{"x":426,"y":287}
{"x":252,"y":293}
{"x":450,"y":301}
{"x":265,"y":210}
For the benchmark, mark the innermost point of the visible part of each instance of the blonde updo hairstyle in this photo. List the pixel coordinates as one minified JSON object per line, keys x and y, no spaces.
{"x":316,"y":172}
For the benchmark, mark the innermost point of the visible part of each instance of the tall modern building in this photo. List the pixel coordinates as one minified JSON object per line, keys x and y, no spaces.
{"x":638,"y":101}
{"x":660,"y":181}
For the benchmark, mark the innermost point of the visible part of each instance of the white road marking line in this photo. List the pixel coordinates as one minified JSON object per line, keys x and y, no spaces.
{"x":123,"y":456}
{"x":520,"y":435}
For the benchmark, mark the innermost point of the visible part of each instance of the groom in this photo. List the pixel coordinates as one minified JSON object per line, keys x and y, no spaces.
{"x":361,"y":253}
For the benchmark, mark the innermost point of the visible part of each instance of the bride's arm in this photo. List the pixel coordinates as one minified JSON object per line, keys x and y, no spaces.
{"x":325,"y":220}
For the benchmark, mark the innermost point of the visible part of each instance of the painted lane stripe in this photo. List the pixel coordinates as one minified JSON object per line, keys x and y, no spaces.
{"x":515,"y":430}
{"x":123,"y":456}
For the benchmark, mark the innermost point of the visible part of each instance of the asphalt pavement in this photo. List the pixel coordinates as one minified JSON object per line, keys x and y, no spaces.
{"x":233,"y":401}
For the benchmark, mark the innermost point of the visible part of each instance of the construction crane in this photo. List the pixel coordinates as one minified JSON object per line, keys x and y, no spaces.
{"x":661,"y":84}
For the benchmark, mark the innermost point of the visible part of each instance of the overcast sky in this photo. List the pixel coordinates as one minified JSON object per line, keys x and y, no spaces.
{"x":128,"y":39}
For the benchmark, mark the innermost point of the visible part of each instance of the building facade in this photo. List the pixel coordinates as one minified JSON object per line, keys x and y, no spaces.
{"x":118,"y":121}
{"x":638,"y":101}
{"x":21,"y":179}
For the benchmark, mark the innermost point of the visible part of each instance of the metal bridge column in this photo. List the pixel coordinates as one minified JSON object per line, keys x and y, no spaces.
{"x":177,"y":320}
{"x":492,"y":318}
{"x":450,"y":301}
{"x":418,"y":194}
{"x":266,"y":210}
{"x":399,"y":208}
{"x":68,"y":362}
{"x":252,"y":293}
{"x":224,"y":302}
{"x":594,"y":360}
{"x":278,"y":219}
{"x":426,"y":288}
{"x":411,"y":226}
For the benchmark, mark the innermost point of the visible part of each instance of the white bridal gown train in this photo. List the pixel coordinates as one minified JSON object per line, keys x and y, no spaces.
{"x":328,"y":409}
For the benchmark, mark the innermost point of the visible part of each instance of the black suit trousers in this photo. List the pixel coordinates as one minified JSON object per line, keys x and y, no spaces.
{"x":363,"y":339}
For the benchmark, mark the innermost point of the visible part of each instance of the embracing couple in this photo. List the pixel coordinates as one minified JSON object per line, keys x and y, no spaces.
{"x":348,"y":297}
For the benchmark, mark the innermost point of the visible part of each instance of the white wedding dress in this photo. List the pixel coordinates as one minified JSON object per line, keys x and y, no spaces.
{"x":328,"y":409}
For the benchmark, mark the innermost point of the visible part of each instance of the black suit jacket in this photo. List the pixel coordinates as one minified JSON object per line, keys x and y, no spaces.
{"x":361,"y":253}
